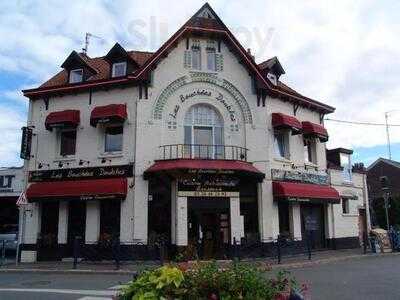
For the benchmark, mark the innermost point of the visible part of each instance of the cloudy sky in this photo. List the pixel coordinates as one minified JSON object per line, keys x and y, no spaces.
{"x":343,"y":53}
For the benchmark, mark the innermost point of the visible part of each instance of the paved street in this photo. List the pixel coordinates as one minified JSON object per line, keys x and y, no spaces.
{"x":33,"y":286}
{"x":376,"y":277}
{"x":372,"y":278}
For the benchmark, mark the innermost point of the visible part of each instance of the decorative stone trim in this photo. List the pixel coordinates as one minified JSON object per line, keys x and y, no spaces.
{"x":208,"y":78}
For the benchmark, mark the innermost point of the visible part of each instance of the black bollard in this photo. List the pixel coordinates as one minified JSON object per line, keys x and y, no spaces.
{"x":117,"y":253}
{"x":278,"y":248}
{"x":76,"y":252}
{"x":309,"y":240}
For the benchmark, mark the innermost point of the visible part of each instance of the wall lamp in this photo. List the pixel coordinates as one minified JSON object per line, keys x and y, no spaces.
{"x":41,"y":165}
{"x":82,"y":161}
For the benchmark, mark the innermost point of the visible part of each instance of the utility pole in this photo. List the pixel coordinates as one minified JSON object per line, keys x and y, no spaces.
{"x":388,"y":135}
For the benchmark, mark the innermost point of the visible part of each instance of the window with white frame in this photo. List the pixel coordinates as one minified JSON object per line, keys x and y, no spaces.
{"x":204,"y":130}
{"x":345,"y":163}
{"x":119,"y":69}
{"x":196,"y":55}
{"x":67,"y":142}
{"x":76,"y":76}
{"x":113,"y":139}
{"x":310,"y":150}
{"x":281,"y":144}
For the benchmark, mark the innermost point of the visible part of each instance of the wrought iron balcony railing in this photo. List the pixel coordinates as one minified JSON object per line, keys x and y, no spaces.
{"x":197,"y":151}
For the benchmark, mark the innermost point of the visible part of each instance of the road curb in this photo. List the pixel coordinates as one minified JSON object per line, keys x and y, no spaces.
{"x":330,"y":260}
{"x":53,"y":271}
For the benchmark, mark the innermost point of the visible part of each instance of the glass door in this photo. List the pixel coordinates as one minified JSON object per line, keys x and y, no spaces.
{"x":203,"y":141}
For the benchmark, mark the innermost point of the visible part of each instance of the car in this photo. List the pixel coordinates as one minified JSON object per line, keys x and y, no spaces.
{"x":9,"y":234}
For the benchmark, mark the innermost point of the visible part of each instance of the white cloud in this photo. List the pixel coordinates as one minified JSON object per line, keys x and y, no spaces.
{"x":345,"y":53}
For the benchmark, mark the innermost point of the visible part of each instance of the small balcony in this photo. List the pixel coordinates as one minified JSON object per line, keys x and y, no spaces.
{"x":198,"y":151}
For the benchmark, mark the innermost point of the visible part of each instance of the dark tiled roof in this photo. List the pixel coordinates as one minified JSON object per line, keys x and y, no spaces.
{"x":99,"y":64}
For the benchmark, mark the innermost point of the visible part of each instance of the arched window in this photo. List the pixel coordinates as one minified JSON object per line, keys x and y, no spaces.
{"x":204,"y":132}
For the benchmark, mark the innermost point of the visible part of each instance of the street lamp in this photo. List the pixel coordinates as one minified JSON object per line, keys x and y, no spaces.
{"x":387,"y":131}
{"x":384,"y":180}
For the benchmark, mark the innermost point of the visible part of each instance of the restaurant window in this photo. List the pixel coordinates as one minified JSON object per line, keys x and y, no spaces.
{"x":113,"y":138}
{"x":119,"y":69}
{"x":345,"y":163}
{"x":281,"y":144}
{"x":204,"y":131}
{"x":196,"y":55}
{"x":76,"y":76}
{"x":345,"y":206}
{"x":67,"y":142}
{"x":310,"y":151}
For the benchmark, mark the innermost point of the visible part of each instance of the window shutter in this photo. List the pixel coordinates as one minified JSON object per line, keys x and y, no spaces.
{"x":187,"y":61}
{"x":219,"y":62}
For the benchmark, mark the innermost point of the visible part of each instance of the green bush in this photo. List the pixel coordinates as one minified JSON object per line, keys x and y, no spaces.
{"x":207,"y":281}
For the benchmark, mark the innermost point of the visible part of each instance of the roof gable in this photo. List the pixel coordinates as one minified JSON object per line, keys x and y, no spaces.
{"x":205,"y":22}
{"x":386,"y":161}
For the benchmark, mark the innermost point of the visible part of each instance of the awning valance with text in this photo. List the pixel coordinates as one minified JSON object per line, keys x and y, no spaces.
{"x":96,"y":189}
{"x":204,"y":166}
{"x":305,"y":192}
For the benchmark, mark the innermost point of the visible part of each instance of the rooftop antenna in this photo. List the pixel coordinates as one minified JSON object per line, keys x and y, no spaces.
{"x":88,"y":35}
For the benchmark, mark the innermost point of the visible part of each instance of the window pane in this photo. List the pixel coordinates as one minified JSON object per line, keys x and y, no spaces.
{"x":68,"y":143}
{"x":113,"y":139}
{"x":75,"y":76}
{"x":196,"y":59}
{"x":211,"y":60}
{"x":279,"y":144}
{"x":219,"y":142}
{"x":345,"y":205}
{"x":119,"y":69}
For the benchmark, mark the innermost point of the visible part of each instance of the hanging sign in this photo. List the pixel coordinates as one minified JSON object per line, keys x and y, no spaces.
{"x":26,"y":143}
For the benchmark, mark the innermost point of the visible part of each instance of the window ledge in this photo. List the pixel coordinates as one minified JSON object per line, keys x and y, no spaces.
{"x":65,"y":158}
{"x":111,"y":155}
{"x":349,"y":215}
{"x":283,"y":160}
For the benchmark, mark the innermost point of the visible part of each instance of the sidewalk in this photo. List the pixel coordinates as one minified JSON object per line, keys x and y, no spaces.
{"x":131,"y":268}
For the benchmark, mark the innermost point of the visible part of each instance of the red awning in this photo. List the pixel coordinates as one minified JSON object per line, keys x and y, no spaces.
{"x":312,"y":192}
{"x":65,"y":118}
{"x":115,"y":113}
{"x":204,"y":164}
{"x":280,"y":120}
{"x":315,"y":130}
{"x":95,"y":189}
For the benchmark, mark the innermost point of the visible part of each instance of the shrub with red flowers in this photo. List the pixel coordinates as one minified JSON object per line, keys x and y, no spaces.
{"x":209,"y":282}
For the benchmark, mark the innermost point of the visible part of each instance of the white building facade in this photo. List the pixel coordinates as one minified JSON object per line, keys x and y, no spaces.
{"x":195,"y":142}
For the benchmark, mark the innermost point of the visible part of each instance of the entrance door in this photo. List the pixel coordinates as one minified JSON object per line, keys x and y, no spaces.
{"x":208,"y":222}
{"x":76,"y":223}
{"x":48,"y":242}
{"x":312,"y":220}
{"x":203,"y":136}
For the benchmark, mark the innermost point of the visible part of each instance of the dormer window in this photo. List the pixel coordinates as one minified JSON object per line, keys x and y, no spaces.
{"x":272,"y":78}
{"x":76,"y":75}
{"x":119,"y":69}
